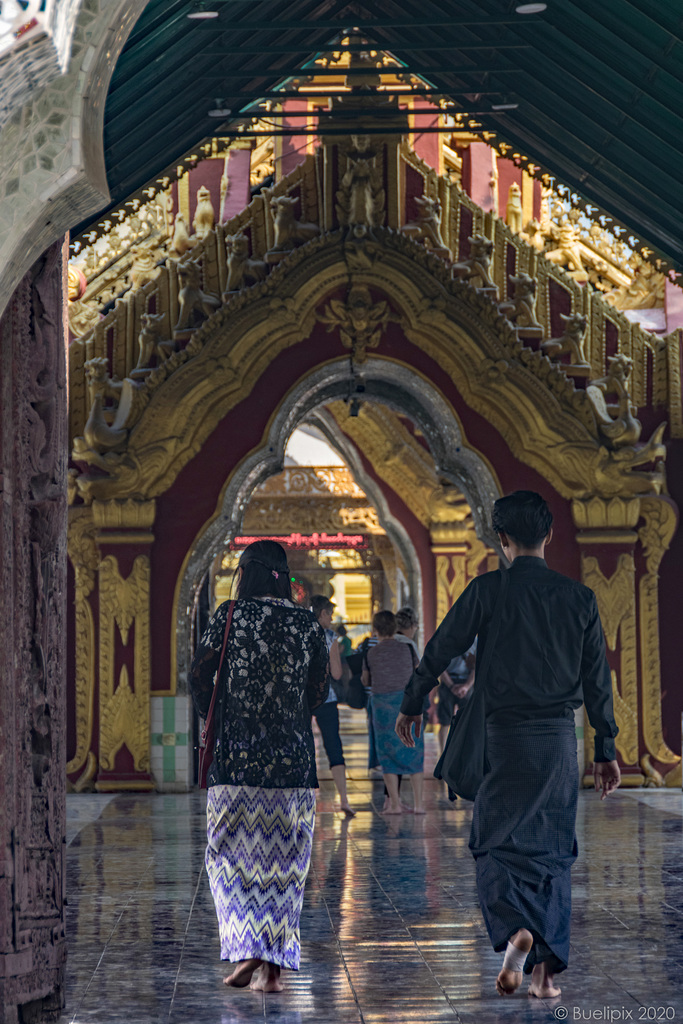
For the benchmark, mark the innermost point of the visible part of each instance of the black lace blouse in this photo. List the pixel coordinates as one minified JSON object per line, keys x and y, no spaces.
{"x":274,"y":674}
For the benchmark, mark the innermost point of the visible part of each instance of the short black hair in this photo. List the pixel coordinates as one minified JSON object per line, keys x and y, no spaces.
{"x":320,"y":603}
{"x":524,"y":516}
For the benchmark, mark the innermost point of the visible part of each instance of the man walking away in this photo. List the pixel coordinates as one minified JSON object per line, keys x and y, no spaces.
{"x":549,"y":657}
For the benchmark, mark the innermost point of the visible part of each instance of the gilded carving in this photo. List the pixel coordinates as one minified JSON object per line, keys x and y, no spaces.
{"x":124,"y":710}
{"x":476,"y":269}
{"x":616,"y":604}
{"x":660,"y":524}
{"x":451,"y":580}
{"x":513,"y":210}
{"x":427,"y":227}
{"x":361,"y":197}
{"x":359,"y":320}
{"x":151,"y":341}
{"x":521,"y":308}
{"x":194,"y":305}
{"x":204,"y":217}
{"x":570,"y":343}
{"x":288,"y":231}
{"x":242,"y":271}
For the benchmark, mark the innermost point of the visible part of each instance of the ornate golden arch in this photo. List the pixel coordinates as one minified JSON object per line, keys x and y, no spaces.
{"x":358,"y":288}
{"x":546,"y":422}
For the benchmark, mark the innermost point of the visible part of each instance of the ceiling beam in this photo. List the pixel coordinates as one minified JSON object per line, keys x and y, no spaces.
{"x":326,"y":47}
{"x":457,"y":72}
{"x":302,"y":94}
{"x":349,"y":23}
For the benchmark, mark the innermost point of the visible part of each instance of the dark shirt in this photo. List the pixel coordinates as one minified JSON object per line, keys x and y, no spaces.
{"x":273,"y":676}
{"x":549,"y":656}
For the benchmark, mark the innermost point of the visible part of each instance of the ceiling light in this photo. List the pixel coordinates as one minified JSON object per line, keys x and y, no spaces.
{"x":201,"y":12}
{"x":530,"y":8}
{"x":504,"y":106}
{"x":220,"y":110}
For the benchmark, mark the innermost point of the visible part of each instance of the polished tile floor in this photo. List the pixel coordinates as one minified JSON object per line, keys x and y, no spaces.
{"x":390,"y":929}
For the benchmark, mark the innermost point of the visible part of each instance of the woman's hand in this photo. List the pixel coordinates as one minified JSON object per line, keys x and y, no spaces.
{"x":403,"y":728}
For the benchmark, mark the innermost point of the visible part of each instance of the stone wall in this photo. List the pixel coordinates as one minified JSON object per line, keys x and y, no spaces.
{"x":33,"y":446}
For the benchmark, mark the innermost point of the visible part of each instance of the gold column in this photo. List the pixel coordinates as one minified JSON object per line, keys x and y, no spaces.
{"x":629,"y":612}
{"x":655,"y":535}
{"x":84,"y":557}
{"x":124,"y":537}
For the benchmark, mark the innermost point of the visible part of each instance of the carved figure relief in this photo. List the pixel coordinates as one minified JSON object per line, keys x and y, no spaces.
{"x":204,"y":216}
{"x":151,"y":342}
{"x":476,"y":269}
{"x":195,"y":305}
{"x":287,"y":230}
{"x":361,"y":197}
{"x":427,"y":228}
{"x":242,"y":271}
{"x":181,"y":242}
{"x":521,"y":308}
{"x":616,"y":422}
{"x":571,"y":341}
{"x":513,"y":210}
{"x":360,"y":321}
{"x":567,"y":252}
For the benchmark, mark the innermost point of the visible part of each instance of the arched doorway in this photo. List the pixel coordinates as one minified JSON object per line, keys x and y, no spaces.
{"x":199,"y":430}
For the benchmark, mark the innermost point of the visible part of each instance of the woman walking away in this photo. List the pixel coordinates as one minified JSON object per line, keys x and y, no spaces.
{"x":327,"y":714}
{"x":261,"y":784}
{"x":390,"y":665}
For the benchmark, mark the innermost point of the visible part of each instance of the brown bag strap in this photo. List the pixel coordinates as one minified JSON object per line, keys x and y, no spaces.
{"x":209,"y":716}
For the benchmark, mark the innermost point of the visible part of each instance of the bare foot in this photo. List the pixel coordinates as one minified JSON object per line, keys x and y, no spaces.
{"x":267,"y":979}
{"x":509,"y":981}
{"x":392,"y":808}
{"x":242,"y":974}
{"x":348,"y":810}
{"x":542,"y":983}
{"x":419,"y":810}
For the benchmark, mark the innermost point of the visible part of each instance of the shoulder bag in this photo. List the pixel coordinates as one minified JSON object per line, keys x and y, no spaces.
{"x":208,"y":740}
{"x":463,"y":762}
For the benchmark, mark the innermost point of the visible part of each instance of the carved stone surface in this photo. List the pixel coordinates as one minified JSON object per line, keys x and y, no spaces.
{"x":33,"y":433}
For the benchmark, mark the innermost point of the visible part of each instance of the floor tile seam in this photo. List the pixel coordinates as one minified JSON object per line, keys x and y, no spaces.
{"x":412,"y":939}
{"x":182,"y":950}
{"x":106,"y":945}
{"x":615,"y":916}
{"x":341,"y":954}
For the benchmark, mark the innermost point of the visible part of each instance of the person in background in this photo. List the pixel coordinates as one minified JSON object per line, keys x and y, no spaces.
{"x":455,"y":687}
{"x":389,"y":666}
{"x":327,"y":714}
{"x":407,"y":625}
{"x":262,"y":779}
{"x":344,"y":641}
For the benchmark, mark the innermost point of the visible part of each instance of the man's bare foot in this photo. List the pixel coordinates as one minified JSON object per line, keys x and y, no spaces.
{"x":509,"y":981}
{"x":392,"y":808}
{"x":267,"y":979}
{"x":542,"y":983}
{"x":348,"y":810}
{"x":419,"y":810}
{"x":242,"y":974}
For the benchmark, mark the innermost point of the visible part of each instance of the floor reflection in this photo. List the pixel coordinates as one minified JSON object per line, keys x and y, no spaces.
{"x":391,"y":933}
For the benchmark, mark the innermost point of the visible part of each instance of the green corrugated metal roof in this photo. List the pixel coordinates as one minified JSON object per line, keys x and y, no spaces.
{"x":599,"y":86}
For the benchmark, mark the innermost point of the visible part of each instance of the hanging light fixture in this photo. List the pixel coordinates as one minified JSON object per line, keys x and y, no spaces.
{"x":202,"y":12}
{"x":530,"y":8}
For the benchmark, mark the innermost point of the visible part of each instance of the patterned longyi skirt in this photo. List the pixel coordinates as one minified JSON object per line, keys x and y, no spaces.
{"x":257,"y":860}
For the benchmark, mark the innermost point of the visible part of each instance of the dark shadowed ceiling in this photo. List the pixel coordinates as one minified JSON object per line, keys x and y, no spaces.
{"x":599,"y":85}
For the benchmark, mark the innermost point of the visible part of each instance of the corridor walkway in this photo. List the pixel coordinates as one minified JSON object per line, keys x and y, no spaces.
{"x":391,"y":933}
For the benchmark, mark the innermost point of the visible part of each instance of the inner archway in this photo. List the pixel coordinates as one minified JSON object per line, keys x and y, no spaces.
{"x":383,"y":383}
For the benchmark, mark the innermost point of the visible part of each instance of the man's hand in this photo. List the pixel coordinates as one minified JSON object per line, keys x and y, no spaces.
{"x":607,"y":777}
{"x":403,"y":728}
